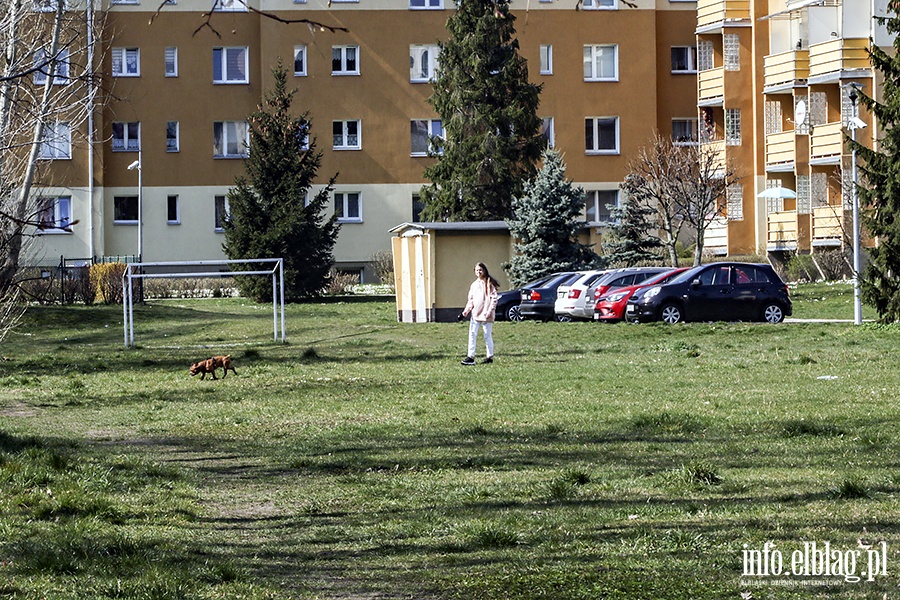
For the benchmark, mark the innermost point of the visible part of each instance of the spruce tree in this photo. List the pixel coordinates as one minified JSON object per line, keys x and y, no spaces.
{"x":488,"y":110}
{"x":546,"y":225}
{"x":269,"y":215}
{"x":879,"y":197}
{"x":631,"y":240}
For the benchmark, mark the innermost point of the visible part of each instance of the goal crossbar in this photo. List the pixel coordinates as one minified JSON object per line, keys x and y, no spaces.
{"x":134,"y":271}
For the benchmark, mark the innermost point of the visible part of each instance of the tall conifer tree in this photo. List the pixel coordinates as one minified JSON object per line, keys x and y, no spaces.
{"x":269,"y":216}
{"x":489,"y":112}
{"x":632,"y":238}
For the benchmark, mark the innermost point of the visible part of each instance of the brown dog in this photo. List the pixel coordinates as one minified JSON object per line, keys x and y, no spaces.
{"x":210,"y":365}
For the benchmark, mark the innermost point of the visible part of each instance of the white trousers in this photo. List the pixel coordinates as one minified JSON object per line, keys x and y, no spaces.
{"x":473,"y":335}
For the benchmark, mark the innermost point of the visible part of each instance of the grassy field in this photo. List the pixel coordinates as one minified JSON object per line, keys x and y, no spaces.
{"x":361,"y":461}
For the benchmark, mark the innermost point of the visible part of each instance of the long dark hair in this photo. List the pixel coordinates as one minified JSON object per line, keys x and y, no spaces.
{"x":488,"y":276}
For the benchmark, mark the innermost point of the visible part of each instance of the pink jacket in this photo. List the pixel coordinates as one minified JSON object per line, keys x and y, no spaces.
{"x":482,"y":301}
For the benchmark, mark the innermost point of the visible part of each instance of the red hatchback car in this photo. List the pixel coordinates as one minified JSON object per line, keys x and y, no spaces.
{"x":610,"y":308}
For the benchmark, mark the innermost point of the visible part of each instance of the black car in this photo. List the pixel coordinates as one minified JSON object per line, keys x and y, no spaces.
{"x":539,"y":302}
{"x":508,"y":301}
{"x":715,"y":292}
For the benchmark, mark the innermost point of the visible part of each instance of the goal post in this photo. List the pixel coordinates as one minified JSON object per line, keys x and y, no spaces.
{"x":135,"y":271}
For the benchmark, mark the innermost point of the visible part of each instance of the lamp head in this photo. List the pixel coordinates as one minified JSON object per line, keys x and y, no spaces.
{"x":135,"y":165}
{"x":856,"y":123}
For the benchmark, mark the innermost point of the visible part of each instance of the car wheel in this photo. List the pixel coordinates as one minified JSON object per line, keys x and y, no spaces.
{"x":563,"y":318}
{"x":671,"y":313}
{"x":514,"y":313}
{"x":772,"y":313}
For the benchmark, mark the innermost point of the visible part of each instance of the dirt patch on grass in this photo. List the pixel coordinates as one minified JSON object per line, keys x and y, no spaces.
{"x":18,"y":409}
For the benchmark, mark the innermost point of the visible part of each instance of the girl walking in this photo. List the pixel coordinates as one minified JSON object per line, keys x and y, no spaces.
{"x":481,"y":304}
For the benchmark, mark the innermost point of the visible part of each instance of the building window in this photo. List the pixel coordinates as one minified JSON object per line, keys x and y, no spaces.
{"x":221,"y":212}
{"x":125,"y":210}
{"x":601,"y":63}
{"x":731,"y":55}
{"x":173,"y":217}
{"x":423,"y":62}
{"x":734,"y":199}
{"x":230,"y":139}
{"x":348,"y":207}
{"x":346,"y":135}
{"x":433,"y":4}
{"x":684,"y":131}
{"x":684,"y":59}
{"x":598,"y":205}
{"x":772,"y":204}
{"x":54,"y":213}
{"x":804,"y":201}
{"x":230,"y":65}
{"x":705,"y":55}
{"x":547,"y":132}
{"x":171,"y":57}
{"x":126,"y":137}
{"x":42,"y":64}
{"x":229,"y":6}
{"x":126,"y":62}
{"x":299,"y":61}
{"x":546,"y":59}
{"x":172,"y":136}
{"x":425,"y":137}
{"x":601,"y":135}
{"x":345,"y":60}
{"x":601,"y":4}
{"x":733,"y":126}
{"x":47,"y":5}
{"x":56,"y":141}
{"x":417,"y":207}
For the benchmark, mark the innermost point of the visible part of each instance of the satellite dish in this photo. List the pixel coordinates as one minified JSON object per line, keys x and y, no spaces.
{"x":800,"y":113}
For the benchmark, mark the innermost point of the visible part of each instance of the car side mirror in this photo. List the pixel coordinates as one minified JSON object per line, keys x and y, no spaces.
{"x":695,"y":283}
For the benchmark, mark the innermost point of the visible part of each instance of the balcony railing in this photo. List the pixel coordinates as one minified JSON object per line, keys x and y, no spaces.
{"x":719,"y":151}
{"x":838,"y":55}
{"x":828,"y":225}
{"x":783,"y":230}
{"x":710,"y":12}
{"x":786,"y":67}
{"x":711,"y":84}
{"x":715,"y":239}
{"x":826,"y":141}
{"x":781,"y":148}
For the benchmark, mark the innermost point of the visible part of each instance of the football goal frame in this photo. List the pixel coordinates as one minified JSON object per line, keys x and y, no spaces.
{"x":135,"y":271}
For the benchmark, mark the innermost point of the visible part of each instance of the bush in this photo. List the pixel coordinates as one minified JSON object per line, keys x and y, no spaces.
{"x":106,"y":280}
{"x":801,"y":267}
{"x":341,"y":283}
{"x":383,"y":264}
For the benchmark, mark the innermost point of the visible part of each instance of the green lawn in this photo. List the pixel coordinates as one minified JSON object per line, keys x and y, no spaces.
{"x":361,"y":461}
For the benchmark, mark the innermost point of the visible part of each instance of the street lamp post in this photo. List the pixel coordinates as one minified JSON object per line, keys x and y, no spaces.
{"x":855,"y":123}
{"x":138,"y":164}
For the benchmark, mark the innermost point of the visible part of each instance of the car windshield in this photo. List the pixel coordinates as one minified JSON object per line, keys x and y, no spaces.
{"x":688,"y":275}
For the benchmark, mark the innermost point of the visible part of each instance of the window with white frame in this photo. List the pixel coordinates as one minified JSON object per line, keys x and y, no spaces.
{"x":734,"y":202}
{"x":126,"y":62}
{"x":546,"y":59}
{"x":302,"y":135}
{"x":60,"y":65}
{"x":54,"y":213}
{"x":423,"y":62}
{"x":220,"y":213}
{"x":47,"y":5}
{"x":345,"y":60}
{"x":598,"y":205}
{"x":432,"y":4}
{"x":125,"y":210}
{"x":172,"y":141}
{"x":173,"y":210}
{"x":601,"y":135}
{"x":56,"y":141}
{"x":171,"y":58}
{"x":684,"y":59}
{"x":601,"y":62}
{"x":684,"y":131}
{"x":231,"y":65}
{"x":426,"y":137}
{"x":600,"y":4}
{"x":547,"y":132}
{"x":733,"y":126}
{"x":126,"y":137}
{"x":348,"y":207}
{"x":300,"y":61}
{"x":230,"y":139}
{"x":346,"y":135}
{"x":731,"y":54}
{"x":229,"y":6}
{"x":705,"y":55}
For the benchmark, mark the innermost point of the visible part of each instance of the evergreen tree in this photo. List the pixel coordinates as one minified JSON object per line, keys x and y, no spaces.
{"x":880,"y":196}
{"x":489,"y":112}
{"x":546,"y":225}
{"x":269,"y":216}
{"x":631,"y":241}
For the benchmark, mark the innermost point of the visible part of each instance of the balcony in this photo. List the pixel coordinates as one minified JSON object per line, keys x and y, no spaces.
{"x":783,"y":230}
{"x":715,"y":239}
{"x":828,"y":226}
{"x":719,"y":152}
{"x":711,"y":84}
{"x":826,"y":143}
{"x":780,"y":148}
{"x":838,"y":55}
{"x":786,"y":68}
{"x":711,"y":12}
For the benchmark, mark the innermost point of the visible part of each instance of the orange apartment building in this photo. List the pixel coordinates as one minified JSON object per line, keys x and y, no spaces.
{"x":179,"y":98}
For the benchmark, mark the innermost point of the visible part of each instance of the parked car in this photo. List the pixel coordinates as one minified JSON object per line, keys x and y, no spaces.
{"x":614,"y":280}
{"x":508,"y":301}
{"x":571,"y":298}
{"x":715,"y":292}
{"x":539,"y":302}
{"x":610,"y":307}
